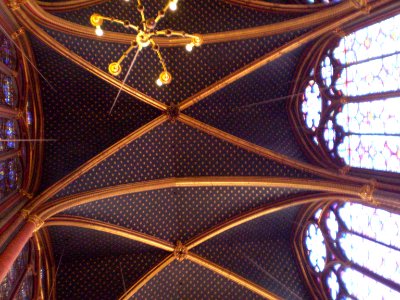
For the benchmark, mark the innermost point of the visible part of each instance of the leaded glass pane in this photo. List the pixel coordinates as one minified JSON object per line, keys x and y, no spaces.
{"x":7,"y":52}
{"x":363,"y":259}
{"x":10,"y":176}
{"x":377,"y":40}
{"x":8,"y":92}
{"x":371,"y":152}
{"x":378,"y":117}
{"x":8,"y":134}
{"x":364,"y":287}
{"x":373,"y":76}
{"x":9,"y":283}
{"x":356,"y":132}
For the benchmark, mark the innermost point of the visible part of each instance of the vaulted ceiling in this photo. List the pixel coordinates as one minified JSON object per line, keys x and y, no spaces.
{"x":97,"y":265}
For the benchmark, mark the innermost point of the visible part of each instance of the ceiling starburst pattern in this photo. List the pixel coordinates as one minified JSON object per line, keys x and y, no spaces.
{"x":189,"y":190}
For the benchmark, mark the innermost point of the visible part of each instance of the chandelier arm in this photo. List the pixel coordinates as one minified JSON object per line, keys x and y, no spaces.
{"x":126,"y":53}
{"x":163,"y":12}
{"x":97,"y":20}
{"x":141,"y":10}
{"x":136,"y":28}
{"x":156,"y":48}
{"x":169,"y":32}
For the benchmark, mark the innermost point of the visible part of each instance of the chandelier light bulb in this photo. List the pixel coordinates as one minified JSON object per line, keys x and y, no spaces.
{"x":173,"y":5}
{"x":99,"y":31}
{"x":146,"y":35}
{"x":189,"y":47}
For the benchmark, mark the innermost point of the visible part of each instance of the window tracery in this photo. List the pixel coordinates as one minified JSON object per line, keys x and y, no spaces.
{"x":10,"y":176}
{"x":348,"y":102}
{"x":7,"y":52}
{"x":15,"y":121}
{"x":351,"y":251}
{"x":8,"y":91}
{"x":18,"y":283}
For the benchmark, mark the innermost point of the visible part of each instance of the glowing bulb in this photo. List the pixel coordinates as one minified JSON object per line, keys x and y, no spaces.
{"x":189,"y":47}
{"x":159,"y":82}
{"x":99,"y":31}
{"x":172,"y":5}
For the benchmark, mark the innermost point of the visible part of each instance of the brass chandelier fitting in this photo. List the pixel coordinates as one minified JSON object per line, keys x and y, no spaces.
{"x":145,"y":33}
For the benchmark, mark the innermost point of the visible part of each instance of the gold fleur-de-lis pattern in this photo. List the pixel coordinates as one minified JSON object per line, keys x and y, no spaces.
{"x":95,"y":265}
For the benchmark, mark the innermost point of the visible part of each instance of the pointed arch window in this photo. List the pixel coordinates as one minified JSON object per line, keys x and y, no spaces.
{"x":350,"y":251}
{"x":347,"y":108}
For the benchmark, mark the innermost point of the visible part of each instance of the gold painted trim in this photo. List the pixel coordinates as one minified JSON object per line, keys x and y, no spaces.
{"x":59,"y":185}
{"x":232,"y":276}
{"x":147,"y":277}
{"x":74,"y":221}
{"x":271,"y":56}
{"x":262,"y":211}
{"x":54,"y":207}
{"x":58,"y":47}
{"x":280,"y":158}
{"x":66,"y":6}
{"x":278,"y":7}
{"x":336,"y":12}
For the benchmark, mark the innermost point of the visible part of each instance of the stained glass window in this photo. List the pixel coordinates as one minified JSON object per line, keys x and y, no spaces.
{"x":350,"y":104}
{"x":18,"y":276}
{"x":10,"y":176}
{"x":8,"y":91}
{"x":8,"y":133}
{"x":7,"y":52}
{"x":354,"y":251}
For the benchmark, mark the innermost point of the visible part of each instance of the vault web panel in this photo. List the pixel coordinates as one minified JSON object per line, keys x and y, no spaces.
{"x":177,"y":150}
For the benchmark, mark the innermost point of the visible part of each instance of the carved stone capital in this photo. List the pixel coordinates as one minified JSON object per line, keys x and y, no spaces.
{"x":15,"y":4}
{"x":37,"y":221}
{"x":180,"y":251}
{"x":25,"y":213}
{"x":17,"y":33}
{"x":362,"y":5}
{"x":25,"y":194}
{"x":344,"y":170}
{"x":367,"y":193}
{"x":339,"y":32}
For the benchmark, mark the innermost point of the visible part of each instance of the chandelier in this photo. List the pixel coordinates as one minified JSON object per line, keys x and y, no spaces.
{"x":145,"y":33}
